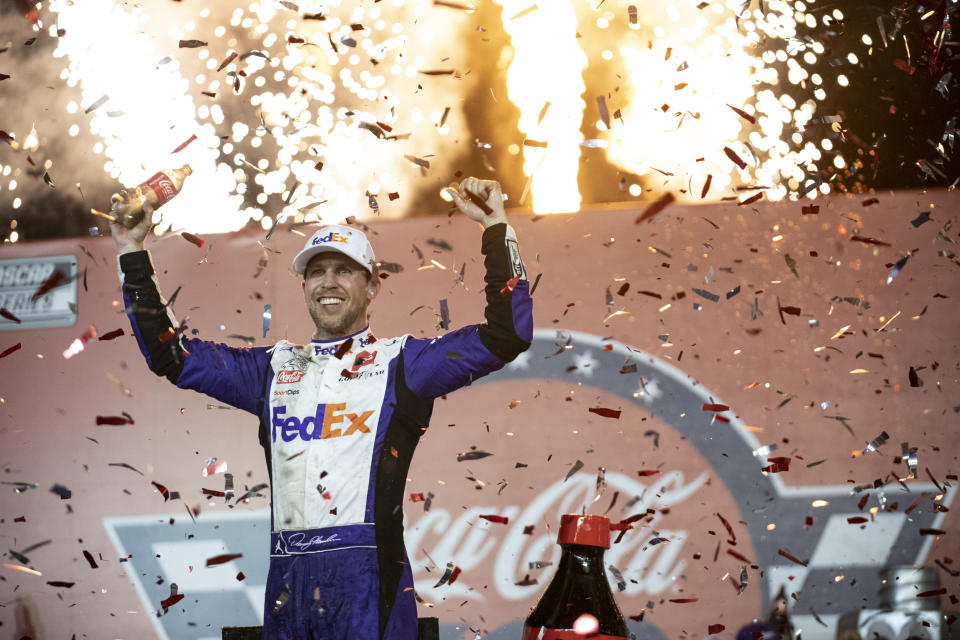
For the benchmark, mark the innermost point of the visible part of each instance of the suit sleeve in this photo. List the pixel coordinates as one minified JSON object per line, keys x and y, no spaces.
{"x":232,"y":375}
{"x":438,"y":366}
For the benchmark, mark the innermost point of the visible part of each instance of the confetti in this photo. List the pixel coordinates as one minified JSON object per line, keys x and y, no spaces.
{"x":163,"y":490}
{"x":9,"y":316}
{"x":223,"y":558}
{"x":17,"y":567}
{"x":495,"y":519}
{"x":213,"y":466}
{"x":655,"y":207}
{"x":789,"y":556}
{"x":61,"y":491}
{"x":447,"y":574}
{"x":576,"y":467}
{"x":56,"y":279}
{"x":174,"y":598}
{"x":110,"y":335}
{"x":192,"y":238}
{"x":444,"y":314}
{"x":606,"y":413}
{"x":896,"y":268}
{"x":10,"y":350}
{"x":114,"y":420}
{"x":874,"y":444}
{"x":472,"y":455}
{"x":266,"y":320}
{"x":191,"y":44}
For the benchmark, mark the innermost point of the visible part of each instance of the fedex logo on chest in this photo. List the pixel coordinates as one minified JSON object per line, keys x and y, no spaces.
{"x":331,"y":420}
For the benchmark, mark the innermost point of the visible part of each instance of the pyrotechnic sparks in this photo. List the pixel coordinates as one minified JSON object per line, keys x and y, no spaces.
{"x":298,"y":105}
{"x":704,"y":110}
{"x":299,"y":110}
{"x":545,"y":81}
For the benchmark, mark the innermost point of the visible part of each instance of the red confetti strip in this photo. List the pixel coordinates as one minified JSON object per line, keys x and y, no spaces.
{"x":192,"y":238}
{"x":869,"y":201}
{"x":89,"y":557}
{"x":743,"y":114}
{"x":110,"y":335}
{"x":55,"y":279}
{"x":729,"y":528}
{"x":9,"y":316}
{"x":10,"y":350}
{"x":750,"y":200}
{"x":935,"y":592}
{"x":777,"y":464}
{"x":863,"y":502}
{"x":393,"y":196}
{"x":495,"y":519}
{"x":810,"y":209}
{"x":714,"y":407}
{"x":706,"y":186}
{"x":856,"y":520}
{"x":454,"y":575}
{"x":684,"y":600}
{"x":227,"y":60}
{"x":715,"y":628}
{"x":343,"y":348}
{"x":738,"y":556}
{"x":163,"y":490}
{"x":240,"y":576}
{"x":184,"y":144}
{"x":528,"y":530}
{"x":906,"y":67}
{"x":789,"y":556}
{"x":734,"y":157}
{"x":932,"y":532}
{"x":915,"y":504}
{"x":212,"y":492}
{"x":416,"y":497}
{"x":648,"y":472}
{"x":172,"y":600}
{"x":606,"y":413}
{"x":114,"y":420}
{"x":511,"y":283}
{"x":867,"y":240}
{"x":656,"y":207}
{"x":60,"y":583}
{"x":223,"y":558}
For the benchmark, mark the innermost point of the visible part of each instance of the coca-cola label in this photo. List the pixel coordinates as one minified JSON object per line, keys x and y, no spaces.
{"x":161,"y":184}
{"x":533,"y":633}
{"x":289,"y":376}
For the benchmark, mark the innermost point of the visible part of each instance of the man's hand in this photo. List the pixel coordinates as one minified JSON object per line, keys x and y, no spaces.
{"x":130,"y":240}
{"x":480,"y":200}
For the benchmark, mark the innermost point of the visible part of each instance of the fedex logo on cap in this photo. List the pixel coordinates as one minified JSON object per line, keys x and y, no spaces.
{"x":319,"y":426}
{"x":333,"y":236}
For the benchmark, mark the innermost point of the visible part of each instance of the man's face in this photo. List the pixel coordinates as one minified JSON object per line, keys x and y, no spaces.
{"x":337,"y":292}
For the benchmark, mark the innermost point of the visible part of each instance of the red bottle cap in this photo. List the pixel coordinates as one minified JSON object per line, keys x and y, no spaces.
{"x":576,"y":528}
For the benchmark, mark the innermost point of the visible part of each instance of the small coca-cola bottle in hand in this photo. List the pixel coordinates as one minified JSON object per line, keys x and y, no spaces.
{"x":578,"y":602}
{"x":129,"y":205}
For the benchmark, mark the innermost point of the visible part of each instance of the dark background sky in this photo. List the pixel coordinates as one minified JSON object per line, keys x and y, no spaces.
{"x":896,"y":111}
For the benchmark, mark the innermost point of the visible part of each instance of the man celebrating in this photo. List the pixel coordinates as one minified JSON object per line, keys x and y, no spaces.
{"x":340,"y":417}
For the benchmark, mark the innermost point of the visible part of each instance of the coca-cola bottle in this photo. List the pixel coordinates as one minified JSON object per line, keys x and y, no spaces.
{"x":128,"y":205}
{"x":578,"y":602}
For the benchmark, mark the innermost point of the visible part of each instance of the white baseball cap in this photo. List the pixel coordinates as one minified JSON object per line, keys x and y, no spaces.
{"x":350,"y":242}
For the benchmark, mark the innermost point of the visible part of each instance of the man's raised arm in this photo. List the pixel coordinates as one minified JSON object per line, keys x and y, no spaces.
{"x":436,"y":367}
{"x":153,"y":324}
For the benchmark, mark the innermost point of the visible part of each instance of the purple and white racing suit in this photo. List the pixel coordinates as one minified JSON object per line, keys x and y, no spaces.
{"x":339,"y":425}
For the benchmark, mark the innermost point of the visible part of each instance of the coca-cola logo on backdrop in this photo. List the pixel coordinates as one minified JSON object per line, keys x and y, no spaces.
{"x":666,"y":457}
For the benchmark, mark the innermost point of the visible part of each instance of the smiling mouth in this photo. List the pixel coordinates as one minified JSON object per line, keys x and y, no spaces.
{"x":329,"y":301}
